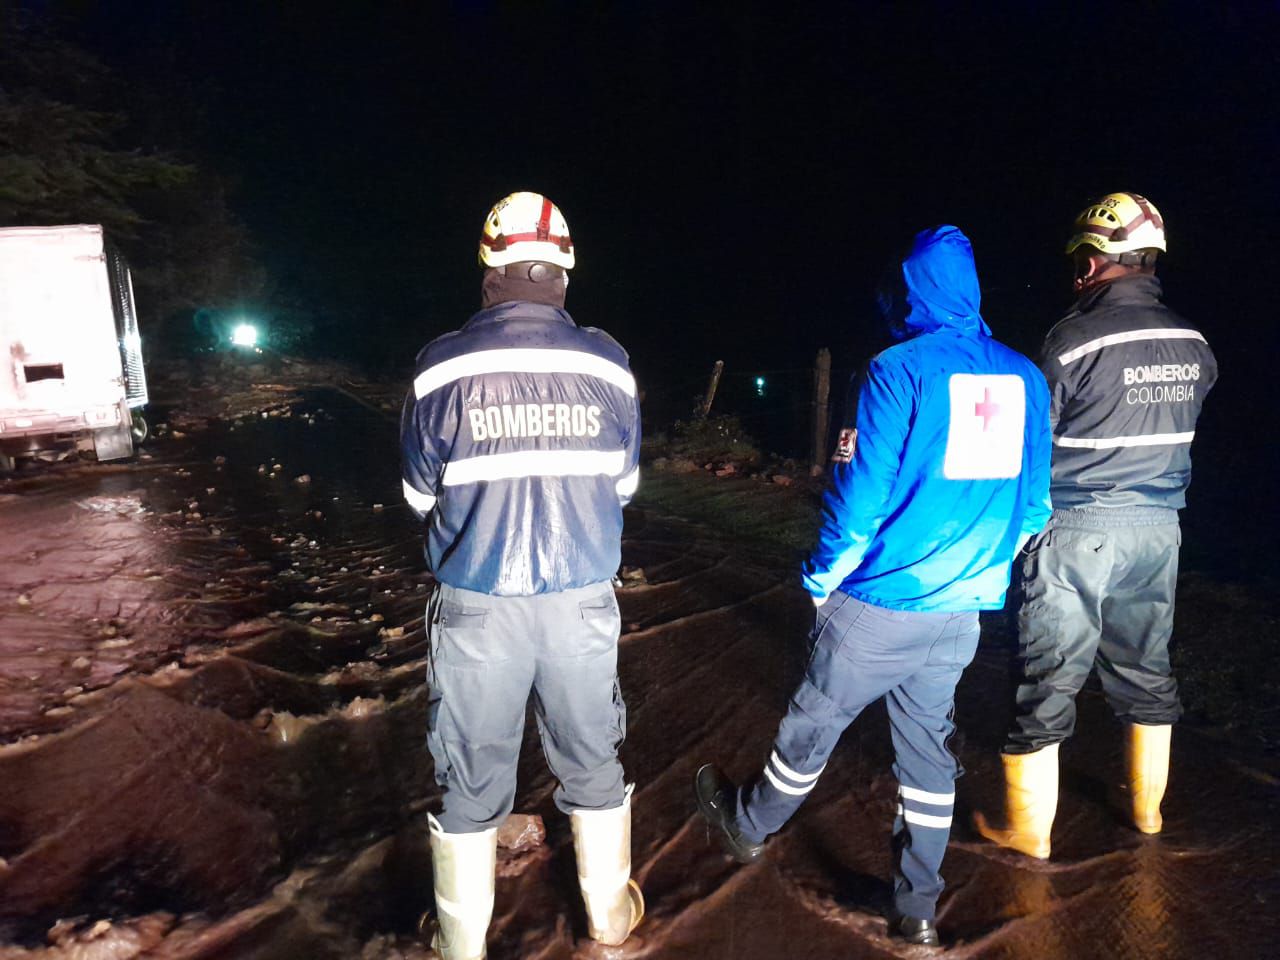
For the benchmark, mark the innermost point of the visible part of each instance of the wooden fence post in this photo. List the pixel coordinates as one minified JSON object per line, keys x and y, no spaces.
{"x":821,"y":412}
{"x":711,"y":389}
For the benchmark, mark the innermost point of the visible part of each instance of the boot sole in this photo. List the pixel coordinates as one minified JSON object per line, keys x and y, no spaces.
{"x":1006,"y":839}
{"x":637,"y":914}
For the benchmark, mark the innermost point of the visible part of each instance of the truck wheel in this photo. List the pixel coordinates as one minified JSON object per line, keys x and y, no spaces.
{"x":139,"y":428}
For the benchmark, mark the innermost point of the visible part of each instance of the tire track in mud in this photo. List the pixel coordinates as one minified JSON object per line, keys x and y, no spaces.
{"x":303,"y":716}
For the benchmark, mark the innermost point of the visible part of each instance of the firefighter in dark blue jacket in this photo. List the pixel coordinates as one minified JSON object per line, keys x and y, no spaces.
{"x":1128,"y":378}
{"x":941,"y":475}
{"x":520,"y":444}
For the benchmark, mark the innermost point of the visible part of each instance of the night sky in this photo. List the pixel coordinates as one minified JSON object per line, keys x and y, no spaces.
{"x":736,"y":177}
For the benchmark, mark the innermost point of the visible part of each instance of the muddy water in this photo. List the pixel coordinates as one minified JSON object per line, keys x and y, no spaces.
{"x":211,"y":696}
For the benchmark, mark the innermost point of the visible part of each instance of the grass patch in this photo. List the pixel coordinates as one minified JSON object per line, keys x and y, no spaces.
{"x":718,"y":438}
{"x":784,"y":519}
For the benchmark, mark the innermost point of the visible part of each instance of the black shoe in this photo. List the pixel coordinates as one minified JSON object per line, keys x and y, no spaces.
{"x":716,"y":803}
{"x":914,"y":930}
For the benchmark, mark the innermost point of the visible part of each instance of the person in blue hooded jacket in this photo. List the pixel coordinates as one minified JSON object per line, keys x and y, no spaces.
{"x":940,"y":475}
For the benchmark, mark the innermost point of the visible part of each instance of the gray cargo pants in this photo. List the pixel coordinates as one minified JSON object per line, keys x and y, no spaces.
{"x":487,"y":655}
{"x":1098,"y":590}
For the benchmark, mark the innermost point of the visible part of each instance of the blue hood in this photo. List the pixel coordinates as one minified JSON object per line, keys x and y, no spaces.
{"x":942,"y":284}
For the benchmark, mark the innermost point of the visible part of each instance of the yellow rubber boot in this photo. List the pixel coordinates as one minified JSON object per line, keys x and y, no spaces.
{"x":602,"y":843}
{"x":1030,"y":802}
{"x":1147,"y":748}
{"x":464,"y":865}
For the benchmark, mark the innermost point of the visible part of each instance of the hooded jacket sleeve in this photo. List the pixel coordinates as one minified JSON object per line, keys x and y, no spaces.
{"x":1038,"y":446}
{"x":857,"y":501}
{"x":420,"y":462}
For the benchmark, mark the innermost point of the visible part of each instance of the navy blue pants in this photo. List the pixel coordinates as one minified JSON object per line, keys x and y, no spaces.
{"x":861,"y":653}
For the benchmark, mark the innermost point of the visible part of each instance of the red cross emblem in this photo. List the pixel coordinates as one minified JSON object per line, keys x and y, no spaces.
{"x":986,"y":409}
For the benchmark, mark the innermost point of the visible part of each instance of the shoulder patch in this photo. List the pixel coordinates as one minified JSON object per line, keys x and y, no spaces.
{"x":845,"y":445}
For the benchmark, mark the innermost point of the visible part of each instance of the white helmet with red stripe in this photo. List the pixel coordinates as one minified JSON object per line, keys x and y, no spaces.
{"x":525,"y":226}
{"x":1118,"y":223}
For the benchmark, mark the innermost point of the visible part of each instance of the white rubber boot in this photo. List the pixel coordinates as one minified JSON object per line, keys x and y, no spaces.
{"x":464,"y":865}
{"x":602,"y":842}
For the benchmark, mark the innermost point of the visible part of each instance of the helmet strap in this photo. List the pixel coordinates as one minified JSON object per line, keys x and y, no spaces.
{"x":1143,"y":259}
{"x":513,"y":282}
{"x":1095,"y":269}
{"x":535,"y":271}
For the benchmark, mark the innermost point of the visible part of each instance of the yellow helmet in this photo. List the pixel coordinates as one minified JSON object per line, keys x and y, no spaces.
{"x":1119,"y":223}
{"x":525,"y":226}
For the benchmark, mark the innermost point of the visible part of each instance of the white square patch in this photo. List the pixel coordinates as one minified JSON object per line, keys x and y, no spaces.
{"x":984,"y":440}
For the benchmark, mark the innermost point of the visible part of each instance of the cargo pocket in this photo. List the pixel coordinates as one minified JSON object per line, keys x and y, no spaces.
{"x":830,"y":635}
{"x":1031,"y":555}
{"x":601,"y":624}
{"x":1061,"y":556}
{"x":1077,"y":541}
{"x":456,"y":617}
{"x":805,"y":739}
{"x":605,"y":605}
{"x":619,"y":729}
{"x":463,"y":639}
{"x":437,"y":744}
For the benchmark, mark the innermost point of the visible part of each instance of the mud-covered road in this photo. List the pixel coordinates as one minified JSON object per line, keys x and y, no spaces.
{"x":212,"y":711}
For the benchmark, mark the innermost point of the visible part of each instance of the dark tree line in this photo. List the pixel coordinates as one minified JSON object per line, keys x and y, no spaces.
{"x":77,"y":146}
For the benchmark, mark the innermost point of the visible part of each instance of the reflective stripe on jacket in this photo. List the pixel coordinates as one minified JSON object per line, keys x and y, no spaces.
{"x":520,"y":444}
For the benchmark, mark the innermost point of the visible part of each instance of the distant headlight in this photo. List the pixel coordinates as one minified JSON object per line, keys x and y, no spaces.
{"x":245,"y":335}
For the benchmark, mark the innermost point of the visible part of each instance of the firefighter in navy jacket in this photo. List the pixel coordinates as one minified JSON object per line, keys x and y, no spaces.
{"x":520,"y":445}
{"x":1128,"y":378}
{"x":940,"y":477}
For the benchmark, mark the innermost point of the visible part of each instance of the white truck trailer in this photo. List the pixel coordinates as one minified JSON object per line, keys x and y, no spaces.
{"x":71,"y":373}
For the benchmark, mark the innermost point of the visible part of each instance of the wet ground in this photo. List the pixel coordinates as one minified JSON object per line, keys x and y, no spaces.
{"x":212,"y":711}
